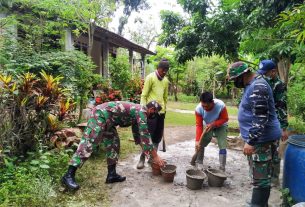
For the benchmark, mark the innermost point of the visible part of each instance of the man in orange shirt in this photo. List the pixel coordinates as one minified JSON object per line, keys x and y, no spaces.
{"x":212,"y":113}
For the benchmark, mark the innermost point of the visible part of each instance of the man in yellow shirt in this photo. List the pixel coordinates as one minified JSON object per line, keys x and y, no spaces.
{"x":155,"y":89}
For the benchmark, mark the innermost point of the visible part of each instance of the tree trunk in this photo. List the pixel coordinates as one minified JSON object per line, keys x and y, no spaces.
{"x":176,"y":88}
{"x":91,"y":30}
{"x":283,"y":68}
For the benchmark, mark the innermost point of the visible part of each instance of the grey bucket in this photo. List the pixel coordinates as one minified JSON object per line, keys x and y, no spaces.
{"x":216,"y":177}
{"x":194,"y":179}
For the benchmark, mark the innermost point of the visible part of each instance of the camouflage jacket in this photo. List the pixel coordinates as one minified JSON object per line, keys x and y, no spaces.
{"x":279,"y":90}
{"x":125,"y":114}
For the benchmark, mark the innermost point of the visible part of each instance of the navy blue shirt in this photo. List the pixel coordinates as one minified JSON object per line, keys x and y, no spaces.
{"x":257,"y":118}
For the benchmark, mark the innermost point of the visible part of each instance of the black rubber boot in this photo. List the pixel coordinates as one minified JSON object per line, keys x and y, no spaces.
{"x":112,"y":176}
{"x":69,"y":178}
{"x":260,"y":197}
{"x":140,"y":165}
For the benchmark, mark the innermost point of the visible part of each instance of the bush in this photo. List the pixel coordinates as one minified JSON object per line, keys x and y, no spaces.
{"x":34,"y":181}
{"x":185,"y":98}
{"x":120,"y":73}
{"x":25,"y":108}
{"x":296,"y":93}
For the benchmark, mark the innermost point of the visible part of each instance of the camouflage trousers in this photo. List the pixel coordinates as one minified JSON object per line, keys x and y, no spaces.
{"x":97,"y":131}
{"x":261,"y":163}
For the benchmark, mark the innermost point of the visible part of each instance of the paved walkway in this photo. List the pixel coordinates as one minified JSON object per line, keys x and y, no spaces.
{"x":192,"y":112}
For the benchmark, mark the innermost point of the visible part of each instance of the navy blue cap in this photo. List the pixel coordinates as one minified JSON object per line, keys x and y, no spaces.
{"x":265,"y":66}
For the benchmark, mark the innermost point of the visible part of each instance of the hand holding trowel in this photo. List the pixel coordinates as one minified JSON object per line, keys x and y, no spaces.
{"x":197,"y":147}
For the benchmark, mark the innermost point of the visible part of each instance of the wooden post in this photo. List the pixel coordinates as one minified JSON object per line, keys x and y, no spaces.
{"x":142,"y":66}
{"x":105,"y":55}
{"x":131,"y":60}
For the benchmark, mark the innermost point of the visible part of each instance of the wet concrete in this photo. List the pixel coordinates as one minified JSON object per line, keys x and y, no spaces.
{"x":142,"y":189}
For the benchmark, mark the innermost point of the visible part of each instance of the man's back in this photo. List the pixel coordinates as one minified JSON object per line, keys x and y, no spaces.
{"x":121,"y":113}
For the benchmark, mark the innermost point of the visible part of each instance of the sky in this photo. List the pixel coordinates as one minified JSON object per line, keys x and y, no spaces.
{"x":151,"y":15}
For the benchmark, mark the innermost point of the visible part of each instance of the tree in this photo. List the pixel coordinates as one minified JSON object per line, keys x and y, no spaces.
{"x":90,"y":12}
{"x":233,"y":28}
{"x":145,"y":33}
{"x":129,"y":7}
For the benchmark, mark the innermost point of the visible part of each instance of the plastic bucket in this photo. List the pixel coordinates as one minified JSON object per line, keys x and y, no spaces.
{"x":168,"y":172}
{"x":216,"y":177}
{"x":194,"y":179}
{"x":294,"y":168}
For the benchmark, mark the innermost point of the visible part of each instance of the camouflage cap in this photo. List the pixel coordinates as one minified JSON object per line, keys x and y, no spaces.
{"x":237,"y":69}
{"x":154,"y":104}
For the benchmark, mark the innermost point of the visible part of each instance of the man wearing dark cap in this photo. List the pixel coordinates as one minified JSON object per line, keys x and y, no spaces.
{"x":101,"y":127}
{"x":259,"y":128}
{"x":155,"y":88}
{"x":267,"y":69}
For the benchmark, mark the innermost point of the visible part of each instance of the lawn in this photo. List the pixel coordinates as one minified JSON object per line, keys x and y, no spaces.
{"x":179,"y":119}
{"x":232,"y":110}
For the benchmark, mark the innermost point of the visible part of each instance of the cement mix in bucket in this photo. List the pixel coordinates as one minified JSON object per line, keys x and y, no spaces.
{"x":142,"y":189}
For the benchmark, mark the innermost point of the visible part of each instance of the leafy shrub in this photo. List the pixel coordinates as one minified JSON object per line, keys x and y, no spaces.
{"x":133,"y":90}
{"x":191,"y":87}
{"x":296,"y":93}
{"x":120,"y":73}
{"x":184,"y":98}
{"x":25,"y":104}
{"x":32,"y":182}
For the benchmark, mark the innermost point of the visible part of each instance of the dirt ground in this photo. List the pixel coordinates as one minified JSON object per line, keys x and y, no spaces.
{"x":142,"y":189}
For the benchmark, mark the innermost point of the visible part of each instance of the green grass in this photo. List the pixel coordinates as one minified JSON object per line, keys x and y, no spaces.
{"x":184,"y":98}
{"x":232,"y":110}
{"x":181,"y":105}
{"x":128,"y":146}
{"x":179,"y":119}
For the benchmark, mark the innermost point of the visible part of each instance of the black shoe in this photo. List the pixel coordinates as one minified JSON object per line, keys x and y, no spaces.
{"x":112,"y":176}
{"x":260,"y":197}
{"x":69,"y":178}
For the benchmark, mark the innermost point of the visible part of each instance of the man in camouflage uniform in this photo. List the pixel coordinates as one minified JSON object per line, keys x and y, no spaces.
{"x":267,"y":68}
{"x":101,"y":127}
{"x":259,"y":128}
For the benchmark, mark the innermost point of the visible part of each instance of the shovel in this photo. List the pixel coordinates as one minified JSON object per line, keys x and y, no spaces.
{"x":194,"y":158}
{"x":163,"y":143}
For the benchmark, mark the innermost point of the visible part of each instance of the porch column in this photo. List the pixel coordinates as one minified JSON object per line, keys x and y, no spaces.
{"x":68,"y":40}
{"x":105,"y":59}
{"x":131,"y":60}
{"x":142,"y":66}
